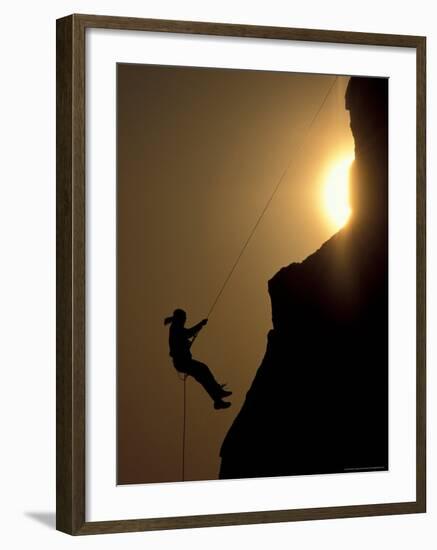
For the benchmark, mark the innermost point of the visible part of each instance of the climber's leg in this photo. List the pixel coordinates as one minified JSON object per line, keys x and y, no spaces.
{"x":200,"y":372}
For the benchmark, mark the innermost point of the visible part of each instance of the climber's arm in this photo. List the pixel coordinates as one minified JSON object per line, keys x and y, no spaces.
{"x":195,"y":329}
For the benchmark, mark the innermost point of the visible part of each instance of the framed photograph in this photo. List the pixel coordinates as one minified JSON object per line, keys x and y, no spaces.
{"x":240,"y":274}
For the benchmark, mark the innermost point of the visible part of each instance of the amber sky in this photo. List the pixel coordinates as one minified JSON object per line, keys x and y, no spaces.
{"x":199,"y":152}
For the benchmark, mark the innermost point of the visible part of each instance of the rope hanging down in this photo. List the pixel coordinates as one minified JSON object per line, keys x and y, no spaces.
{"x":184,"y":423}
{"x":242,"y":251}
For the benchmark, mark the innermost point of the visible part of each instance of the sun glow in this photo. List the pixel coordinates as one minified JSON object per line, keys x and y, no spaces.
{"x":336,"y":192}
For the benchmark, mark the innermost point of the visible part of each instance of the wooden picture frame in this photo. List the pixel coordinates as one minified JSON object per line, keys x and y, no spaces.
{"x":71,"y":283}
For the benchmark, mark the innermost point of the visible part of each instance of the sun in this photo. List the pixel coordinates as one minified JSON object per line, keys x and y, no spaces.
{"x":336,"y":192}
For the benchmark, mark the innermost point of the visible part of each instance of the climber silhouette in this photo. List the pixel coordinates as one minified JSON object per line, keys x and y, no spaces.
{"x":180,"y":340}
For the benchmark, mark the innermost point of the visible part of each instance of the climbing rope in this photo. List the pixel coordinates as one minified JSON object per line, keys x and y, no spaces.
{"x":242,"y":251}
{"x":184,"y":423}
{"x":183,"y":378}
{"x":268,"y":203}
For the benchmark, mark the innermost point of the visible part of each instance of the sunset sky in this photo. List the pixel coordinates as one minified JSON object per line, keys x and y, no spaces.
{"x":199,"y":152}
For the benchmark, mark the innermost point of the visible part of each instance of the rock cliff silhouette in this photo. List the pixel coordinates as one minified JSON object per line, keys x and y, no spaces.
{"x":319,"y":400}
